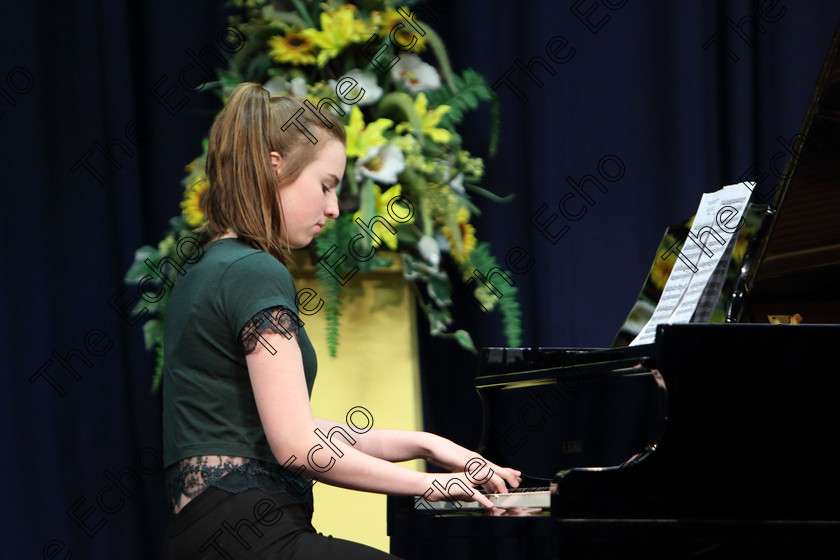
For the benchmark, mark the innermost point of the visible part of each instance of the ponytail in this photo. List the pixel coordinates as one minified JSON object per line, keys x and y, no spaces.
{"x":242,"y":191}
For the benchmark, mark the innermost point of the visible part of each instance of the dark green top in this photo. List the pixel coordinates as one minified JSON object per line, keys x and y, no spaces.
{"x":208,"y":403}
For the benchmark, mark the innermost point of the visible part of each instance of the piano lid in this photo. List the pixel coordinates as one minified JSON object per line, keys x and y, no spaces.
{"x":795,"y":267}
{"x":791,"y":263}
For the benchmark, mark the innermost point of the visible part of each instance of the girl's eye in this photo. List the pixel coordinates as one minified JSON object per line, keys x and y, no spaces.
{"x":325,"y":188}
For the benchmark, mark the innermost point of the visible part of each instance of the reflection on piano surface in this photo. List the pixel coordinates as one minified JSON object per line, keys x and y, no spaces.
{"x":722,"y":432}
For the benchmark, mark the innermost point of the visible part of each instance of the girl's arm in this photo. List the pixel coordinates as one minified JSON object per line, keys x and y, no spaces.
{"x":402,"y":445}
{"x":390,"y":445}
{"x":283,"y":403}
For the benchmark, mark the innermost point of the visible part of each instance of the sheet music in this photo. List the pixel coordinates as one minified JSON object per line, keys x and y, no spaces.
{"x":706,"y":305}
{"x":696,"y":279}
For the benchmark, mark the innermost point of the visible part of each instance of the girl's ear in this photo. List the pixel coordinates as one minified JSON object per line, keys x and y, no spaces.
{"x":276,"y":162}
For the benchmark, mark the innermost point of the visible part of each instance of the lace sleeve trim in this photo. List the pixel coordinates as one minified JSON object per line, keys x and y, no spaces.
{"x":280,"y":320}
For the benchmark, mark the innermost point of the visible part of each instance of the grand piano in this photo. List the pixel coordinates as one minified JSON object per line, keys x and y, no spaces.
{"x":722,"y":434}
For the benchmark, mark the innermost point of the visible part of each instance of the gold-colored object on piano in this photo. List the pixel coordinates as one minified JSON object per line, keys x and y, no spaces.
{"x":794,"y":319}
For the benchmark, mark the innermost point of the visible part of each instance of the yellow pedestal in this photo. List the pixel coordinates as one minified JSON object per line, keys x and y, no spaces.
{"x":376,"y":367}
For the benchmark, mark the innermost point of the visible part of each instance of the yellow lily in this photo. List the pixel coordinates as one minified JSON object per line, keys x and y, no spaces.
{"x":429,"y":119}
{"x":406,"y":35}
{"x":339,"y":27}
{"x":361,"y":137}
{"x":380,"y":208}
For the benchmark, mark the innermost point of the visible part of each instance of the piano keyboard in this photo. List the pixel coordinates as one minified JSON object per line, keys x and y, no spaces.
{"x":538,"y":497}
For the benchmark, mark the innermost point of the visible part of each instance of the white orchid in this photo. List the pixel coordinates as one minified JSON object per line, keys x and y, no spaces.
{"x":457,"y":183}
{"x":414,"y":74}
{"x":381,"y":163}
{"x":429,"y":250}
{"x":281,"y":86}
{"x":366,"y":90}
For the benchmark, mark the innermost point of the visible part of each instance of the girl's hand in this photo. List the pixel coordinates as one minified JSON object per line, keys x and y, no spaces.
{"x":493,"y":478}
{"x":447,"y":487}
{"x":498,"y":479}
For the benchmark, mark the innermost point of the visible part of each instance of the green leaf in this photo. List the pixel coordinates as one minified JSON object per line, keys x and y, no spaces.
{"x":304,"y":14}
{"x":179,"y":222}
{"x":402,"y":104}
{"x":258,"y":67}
{"x":465,"y":340}
{"x":152,"y":333}
{"x":151,"y":308}
{"x":439,"y":320}
{"x":439,"y":289}
{"x":283,"y":19}
{"x":487,"y":194}
{"x":437,"y":46}
{"x":438,"y":286}
{"x":495,"y":125}
{"x":139,"y":268}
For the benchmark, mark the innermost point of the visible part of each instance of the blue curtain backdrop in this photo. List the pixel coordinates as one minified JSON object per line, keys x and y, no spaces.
{"x":657,"y":101}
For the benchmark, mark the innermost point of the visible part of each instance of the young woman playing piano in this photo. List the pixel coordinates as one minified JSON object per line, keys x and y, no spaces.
{"x":239,"y":367}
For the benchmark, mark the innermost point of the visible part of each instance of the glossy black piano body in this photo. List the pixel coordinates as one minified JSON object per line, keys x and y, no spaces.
{"x":743,"y":462}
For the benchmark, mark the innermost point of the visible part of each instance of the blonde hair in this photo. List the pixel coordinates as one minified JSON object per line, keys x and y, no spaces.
{"x":242,"y":191}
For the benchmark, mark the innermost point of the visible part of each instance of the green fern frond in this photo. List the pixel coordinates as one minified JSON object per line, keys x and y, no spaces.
{"x":511,"y":316}
{"x":471,"y":90}
{"x":336,"y":237}
{"x":331,"y":294}
{"x":508,"y":304}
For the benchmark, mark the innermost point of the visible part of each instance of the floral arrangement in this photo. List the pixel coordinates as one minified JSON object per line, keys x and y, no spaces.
{"x":375,"y":61}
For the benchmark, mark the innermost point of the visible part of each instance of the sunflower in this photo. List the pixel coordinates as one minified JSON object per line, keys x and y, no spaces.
{"x":465,"y":242}
{"x":660,"y":271}
{"x":294,"y":48}
{"x":191,"y":205}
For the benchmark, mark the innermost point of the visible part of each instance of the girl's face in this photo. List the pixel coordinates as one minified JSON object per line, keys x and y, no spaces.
{"x":310,"y":199}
